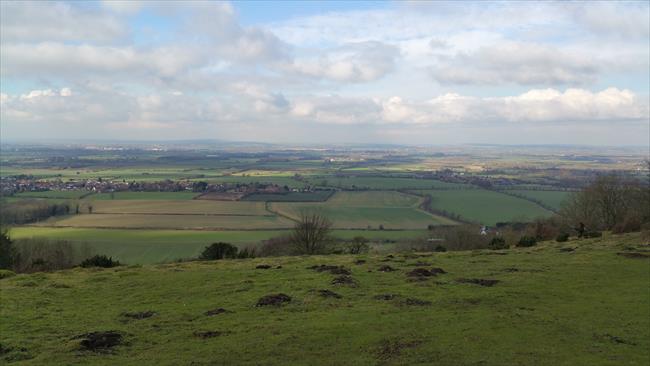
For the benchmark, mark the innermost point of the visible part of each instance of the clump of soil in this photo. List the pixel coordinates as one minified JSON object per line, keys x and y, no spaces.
{"x":139,"y":315}
{"x":478,"y":281}
{"x":216,"y":311}
{"x":335,"y":270}
{"x":278,"y":267}
{"x":511,"y":269}
{"x":209,"y":334}
{"x":344,"y":280}
{"x":567,"y":249}
{"x":416,"y":302}
{"x":100,"y":341}
{"x":423,"y":272}
{"x":386,"y":269}
{"x":619,"y":340}
{"x":273,"y":300}
{"x":385,"y":297}
{"x":390,"y":256}
{"x":328,"y":293}
{"x":635,"y":255}
{"x":359,"y":261}
{"x":263,"y":266}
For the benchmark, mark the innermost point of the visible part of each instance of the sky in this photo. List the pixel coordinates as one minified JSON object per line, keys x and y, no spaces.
{"x":408,"y":72}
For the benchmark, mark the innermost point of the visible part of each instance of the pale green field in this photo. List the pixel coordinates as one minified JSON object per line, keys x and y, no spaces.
{"x":485,"y":207}
{"x":361,"y":210}
{"x":54,"y":194}
{"x":144,"y":196}
{"x":553,"y":199}
{"x":384,"y":183}
{"x":181,"y":207}
{"x":170,"y":221}
{"x":156,"y":246}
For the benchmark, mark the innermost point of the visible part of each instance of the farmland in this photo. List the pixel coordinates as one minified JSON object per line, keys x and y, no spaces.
{"x":553,"y":199}
{"x":483,"y":206}
{"x":545,"y":299}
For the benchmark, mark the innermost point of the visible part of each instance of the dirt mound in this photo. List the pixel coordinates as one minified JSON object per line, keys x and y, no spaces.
{"x":273,"y":300}
{"x":416,"y":302}
{"x":387,"y":269}
{"x":139,"y":315}
{"x":216,"y":311}
{"x":209,"y":334}
{"x":359,"y":261}
{"x":100,"y":341}
{"x":278,"y":267}
{"x":335,"y":270}
{"x":635,"y":255}
{"x":423,"y":272}
{"x":263,"y":266}
{"x":511,"y":269}
{"x":478,"y":281}
{"x":389,"y":349}
{"x":567,"y":249}
{"x":420,"y":264}
{"x":385,"y":297}
{"x":344,"y":280}
{"x":328,"y":293}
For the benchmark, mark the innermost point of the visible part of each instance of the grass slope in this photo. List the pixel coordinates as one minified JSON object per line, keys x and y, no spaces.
{"x":586,"y":307}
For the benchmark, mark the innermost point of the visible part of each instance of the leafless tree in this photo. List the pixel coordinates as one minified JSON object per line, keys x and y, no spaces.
{"x":311,"y":235}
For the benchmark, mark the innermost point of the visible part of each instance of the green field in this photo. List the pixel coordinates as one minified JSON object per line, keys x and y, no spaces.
{"x":156,"y":246}
{"x":552,"y":199}
{"x":359,"y":210}
{"x":361,"y":182}
{"x":167,"y":196}
{"x":485,"y":207}
{"x":586,"y":307}
{"x":316,"y":196}
{"x":182,"y":207}
{"x":54,"y":194}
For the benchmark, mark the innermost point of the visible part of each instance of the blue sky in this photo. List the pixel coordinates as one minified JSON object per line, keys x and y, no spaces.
{"x":288,"y":71}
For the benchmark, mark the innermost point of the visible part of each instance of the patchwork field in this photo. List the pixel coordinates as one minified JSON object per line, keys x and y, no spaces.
{"x":361,"y":182}
{"x":166,"y":196}
{"x":486,"y":207}
{"x":359,"y":210}
{"x":138,"y":246}
{"x":545,"y":307}
{"x":316,"y":196}
{"x":181,"y":207}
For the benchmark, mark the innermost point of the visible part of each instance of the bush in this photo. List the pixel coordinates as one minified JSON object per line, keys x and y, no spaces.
{"x":562,"y":238}
{"x":628,"y":225}
{"x":497,"y":243}
{"x":41,"y":255}
{"x":440,"y":248}
{"x":358,"y":245}
{"x":527,"y":241}
{"x":592,"y":234}
{"x":219,"y":250}
{"x":5,"y":273}
{"x":7,"y":250}
{"x":278,"y":246}
{"x":248,"y":252}
{"x":100,"y":261}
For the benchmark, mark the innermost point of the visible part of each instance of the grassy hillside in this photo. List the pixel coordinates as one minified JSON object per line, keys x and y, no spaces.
{"x":588,"y":306}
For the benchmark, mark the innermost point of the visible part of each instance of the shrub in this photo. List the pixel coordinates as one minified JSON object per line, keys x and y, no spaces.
{"x":498,"y":243}
{"x":527,"y":241}
{"x":248,"y":252}
{"x":358,"y":245}
{"x":628,"y":225}
{"x":592,"y":234}
{"x":219,"y":250}
{"x":281,"y":245}
{"x":40,"y":255}
{"x":100,"y":261}
{"x":440,"y":248}
{"x":562,"y":238}
{"x":5,"y":273}
{"x":7,"y":250}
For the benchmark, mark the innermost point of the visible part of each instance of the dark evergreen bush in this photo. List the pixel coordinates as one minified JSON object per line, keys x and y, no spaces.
{"x":498,"y":243}
{"x":562,"y":238}
{"x":527,"y":241}
{"x":100,"y":261}
{"x":219,"y":250}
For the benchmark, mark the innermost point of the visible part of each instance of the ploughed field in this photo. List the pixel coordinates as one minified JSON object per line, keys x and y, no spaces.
{"x":583,"y":302}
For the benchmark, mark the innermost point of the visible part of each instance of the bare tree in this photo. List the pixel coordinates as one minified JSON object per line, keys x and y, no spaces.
{"x":311,"y":235}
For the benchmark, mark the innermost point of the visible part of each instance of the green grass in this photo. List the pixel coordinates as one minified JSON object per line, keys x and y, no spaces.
{"x":486,"y":207}
{"x":144,"y":196}
{"x":587,"y":307}
{"x":156,"y":246}
{"x":359,"y":210}
{"x":183,"y":207}
{"x":552,"y":199}
{"x":316,"y":196}
{"x":384,"y":183}
{"x":54,"y":194}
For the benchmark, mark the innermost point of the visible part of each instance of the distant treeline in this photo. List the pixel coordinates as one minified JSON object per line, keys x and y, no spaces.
{"x":29,"y":211}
